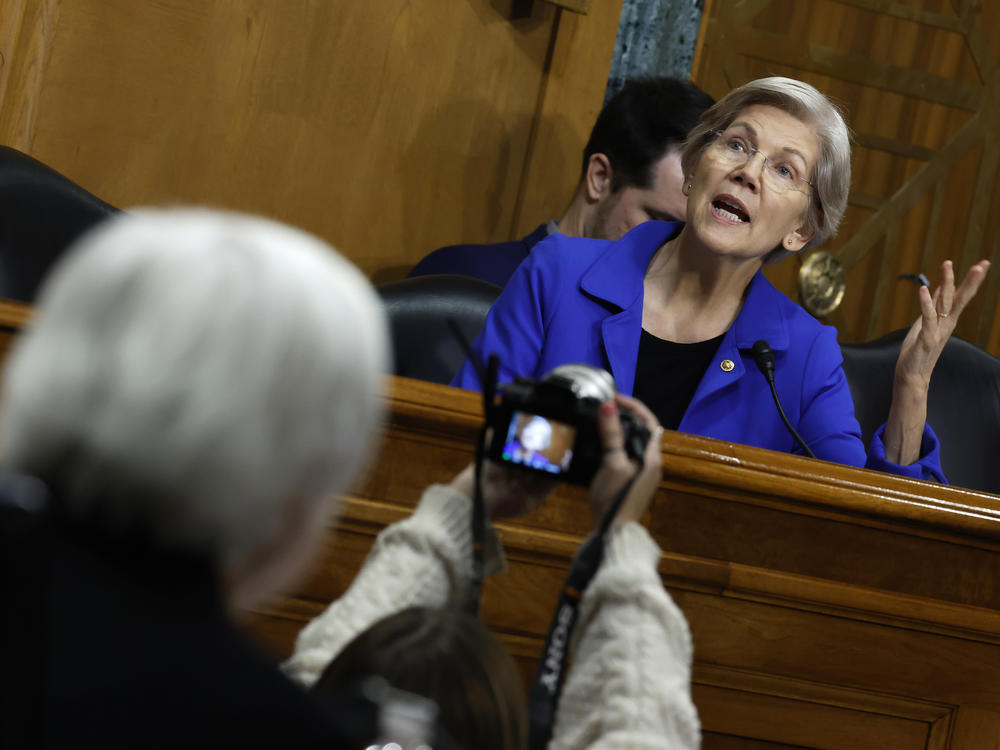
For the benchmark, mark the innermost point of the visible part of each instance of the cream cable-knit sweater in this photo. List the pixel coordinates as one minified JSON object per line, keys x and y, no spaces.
{"x":629,"y":685}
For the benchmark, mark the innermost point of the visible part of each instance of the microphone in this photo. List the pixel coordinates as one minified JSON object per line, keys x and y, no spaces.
{"x":764,"y":357}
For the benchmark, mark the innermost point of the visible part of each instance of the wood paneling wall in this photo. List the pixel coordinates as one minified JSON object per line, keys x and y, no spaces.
{"x":919,"y":82}
{"x":390,"y":128}
{"x":387,"y":127}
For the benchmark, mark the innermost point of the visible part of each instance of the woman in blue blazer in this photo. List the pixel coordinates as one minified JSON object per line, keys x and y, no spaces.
{"x":768,"y":173}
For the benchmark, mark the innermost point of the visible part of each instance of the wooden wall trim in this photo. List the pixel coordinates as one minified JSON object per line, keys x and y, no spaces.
{"x":14,"y":315}
{"x":748,"y":475}
{"x":577,"y":6}
{"x":857,"y":699}
{"x":26,"y":29}
{"x":556,"y":549}
{"x":895,"y":209}
{"x":572,"y":97}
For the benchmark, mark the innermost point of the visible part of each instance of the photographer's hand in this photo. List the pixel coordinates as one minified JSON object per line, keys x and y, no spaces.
{"x":507,"y":492}
{"x":616,"y":467}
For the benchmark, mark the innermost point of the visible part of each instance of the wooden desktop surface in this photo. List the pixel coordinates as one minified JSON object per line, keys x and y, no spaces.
{"x":831,"y":607}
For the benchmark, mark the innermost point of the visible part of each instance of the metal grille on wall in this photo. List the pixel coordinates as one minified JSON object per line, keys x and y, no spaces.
{"x":919,"y":84}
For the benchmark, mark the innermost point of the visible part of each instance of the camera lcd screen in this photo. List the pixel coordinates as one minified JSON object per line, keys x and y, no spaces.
{"x":539,"y":443}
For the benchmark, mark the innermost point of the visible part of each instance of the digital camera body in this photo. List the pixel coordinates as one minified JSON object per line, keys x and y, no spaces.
{"x":550,"y":426}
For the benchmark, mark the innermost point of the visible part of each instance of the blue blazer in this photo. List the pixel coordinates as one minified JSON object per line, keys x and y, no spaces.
{"x":580,"y":300}
{"x":494,"y":263}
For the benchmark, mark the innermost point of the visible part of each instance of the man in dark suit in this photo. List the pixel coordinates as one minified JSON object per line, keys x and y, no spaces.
{"x":631,"y":173}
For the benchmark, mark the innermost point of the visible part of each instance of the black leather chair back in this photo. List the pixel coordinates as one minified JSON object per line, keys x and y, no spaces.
{"x":963,"y":406}
{"x":423,"y":343}
{"x":41,"y":214}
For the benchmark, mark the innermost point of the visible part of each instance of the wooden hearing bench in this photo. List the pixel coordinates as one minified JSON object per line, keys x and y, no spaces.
{"x":831,"y":607}
{"x":13,"y":317}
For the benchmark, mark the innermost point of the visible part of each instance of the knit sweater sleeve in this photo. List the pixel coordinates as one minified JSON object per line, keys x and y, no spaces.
{"x":424,"y":560}
{"x":629,"y":685}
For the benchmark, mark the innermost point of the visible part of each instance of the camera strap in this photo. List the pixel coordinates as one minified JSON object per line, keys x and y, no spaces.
{"x":489,"y":381}
{"x":547,"y":684}
{"x":488,"y":378}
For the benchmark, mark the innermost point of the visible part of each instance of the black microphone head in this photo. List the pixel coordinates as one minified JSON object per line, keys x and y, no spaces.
{"x":763,"y":356}
{"x":762,"y":349}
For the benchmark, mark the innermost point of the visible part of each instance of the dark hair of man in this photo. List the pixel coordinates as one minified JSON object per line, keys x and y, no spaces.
{"x":640,"y":123}
{"x":450,"y":657}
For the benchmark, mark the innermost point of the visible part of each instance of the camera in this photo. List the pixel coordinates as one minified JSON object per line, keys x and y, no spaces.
{"x":550,"y":425}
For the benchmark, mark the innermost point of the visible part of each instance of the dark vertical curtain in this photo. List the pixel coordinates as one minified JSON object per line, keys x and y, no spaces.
{"x":655,"y":38}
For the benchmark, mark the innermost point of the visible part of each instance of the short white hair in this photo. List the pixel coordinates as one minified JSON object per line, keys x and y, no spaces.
{"x":189,"y":371}
{"x":832,"y":174}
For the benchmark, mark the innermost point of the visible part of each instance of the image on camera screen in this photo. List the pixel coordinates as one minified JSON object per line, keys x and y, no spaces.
{"x":539,"y":443}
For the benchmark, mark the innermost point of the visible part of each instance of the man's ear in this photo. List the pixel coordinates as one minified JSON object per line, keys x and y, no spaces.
{"x":599,"y":177}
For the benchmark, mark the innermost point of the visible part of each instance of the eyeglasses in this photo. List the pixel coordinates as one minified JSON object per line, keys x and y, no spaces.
{"x":781,"y":175}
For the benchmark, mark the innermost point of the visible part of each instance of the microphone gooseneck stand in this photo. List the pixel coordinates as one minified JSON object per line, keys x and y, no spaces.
{"x":764,"y":357}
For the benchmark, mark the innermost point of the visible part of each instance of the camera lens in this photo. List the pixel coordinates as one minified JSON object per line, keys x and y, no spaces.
{"x":586,"y":381}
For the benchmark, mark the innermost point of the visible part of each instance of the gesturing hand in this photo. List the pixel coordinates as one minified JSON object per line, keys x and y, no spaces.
{"x":938,"y":317}
{"x":616,"y":467}
{"x":919,"y":353}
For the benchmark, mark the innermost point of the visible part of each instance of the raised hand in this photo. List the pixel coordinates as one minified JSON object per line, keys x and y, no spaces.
{"x":939,"y":314}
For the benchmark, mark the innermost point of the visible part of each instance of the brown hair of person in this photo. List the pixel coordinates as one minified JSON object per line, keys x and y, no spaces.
{"x":449,"y":656}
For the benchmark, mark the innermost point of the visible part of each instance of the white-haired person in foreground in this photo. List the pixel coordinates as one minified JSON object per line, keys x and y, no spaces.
{"x":193,"y":388}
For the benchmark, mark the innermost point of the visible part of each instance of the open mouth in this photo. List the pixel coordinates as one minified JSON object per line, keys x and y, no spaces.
{"x":730,"y":210}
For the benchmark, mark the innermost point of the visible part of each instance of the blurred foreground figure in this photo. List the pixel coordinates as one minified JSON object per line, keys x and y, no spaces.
{"x":194,"y":387}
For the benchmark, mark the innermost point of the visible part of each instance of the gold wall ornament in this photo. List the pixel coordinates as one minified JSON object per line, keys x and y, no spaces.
{"x":822,"y":282}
